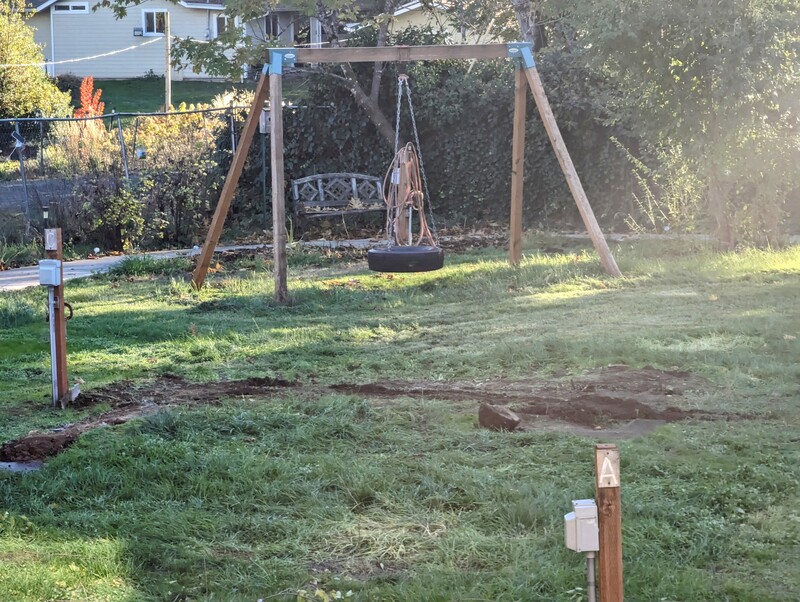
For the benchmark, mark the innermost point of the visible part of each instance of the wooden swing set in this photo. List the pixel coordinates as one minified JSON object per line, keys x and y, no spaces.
{"x":270,"y":85}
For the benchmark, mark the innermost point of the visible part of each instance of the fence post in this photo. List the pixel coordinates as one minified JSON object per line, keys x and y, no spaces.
{"x":233,"y":130}
{"x":122,"y":147}
{"x":20,"y":148}
{"x":264,"y":177}
{"x":41,"y":146}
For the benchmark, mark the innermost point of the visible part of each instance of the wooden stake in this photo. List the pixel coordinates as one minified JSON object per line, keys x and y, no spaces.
{"x":517,"y":168}
{"x":54,"y":250}
{"x":573,"y":181}
{"x":609,"y":510}
{"x":231,"y":181}
{"x":278,"y":193}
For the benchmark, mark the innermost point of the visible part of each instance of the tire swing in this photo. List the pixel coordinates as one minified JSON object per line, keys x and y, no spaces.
{"x":405,"y":189}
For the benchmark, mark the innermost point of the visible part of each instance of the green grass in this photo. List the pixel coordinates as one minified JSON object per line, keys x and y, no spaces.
{"x":144,"y":95}
{"x":407,"y":500}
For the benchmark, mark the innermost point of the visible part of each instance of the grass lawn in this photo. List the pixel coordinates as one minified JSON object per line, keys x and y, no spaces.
{"x":145,"y":95}
{"x":313,"y":488}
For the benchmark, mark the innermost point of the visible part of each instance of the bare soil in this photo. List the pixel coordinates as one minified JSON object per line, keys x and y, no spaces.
{"x":616,"y":401}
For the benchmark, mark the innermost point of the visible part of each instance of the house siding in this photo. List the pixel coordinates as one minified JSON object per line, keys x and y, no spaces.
{"x":40,"y":23}
{"x":438,"y":21}
{"x":83,"y":35}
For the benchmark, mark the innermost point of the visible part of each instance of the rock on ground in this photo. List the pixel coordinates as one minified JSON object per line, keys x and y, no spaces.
{"x":497,"y":418}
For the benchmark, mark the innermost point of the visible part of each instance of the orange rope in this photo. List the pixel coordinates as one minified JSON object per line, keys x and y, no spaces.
{"x":398,"y":201}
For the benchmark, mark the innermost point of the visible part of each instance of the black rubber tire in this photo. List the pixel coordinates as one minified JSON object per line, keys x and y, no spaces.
{"x":406,"y":259}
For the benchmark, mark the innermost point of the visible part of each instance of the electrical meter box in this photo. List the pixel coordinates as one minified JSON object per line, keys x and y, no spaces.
{"x":581,"y":532}
{"x":50,"y":272}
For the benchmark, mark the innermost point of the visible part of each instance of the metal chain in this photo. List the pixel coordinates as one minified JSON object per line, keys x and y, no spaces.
{"x":419,"y":154}
{"x":400,"y":83}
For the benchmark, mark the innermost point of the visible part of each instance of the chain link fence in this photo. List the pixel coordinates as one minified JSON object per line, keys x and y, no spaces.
{"x":119,"y":179}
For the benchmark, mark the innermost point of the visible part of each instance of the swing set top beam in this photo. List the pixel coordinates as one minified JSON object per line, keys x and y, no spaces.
{"x":395,"y":53}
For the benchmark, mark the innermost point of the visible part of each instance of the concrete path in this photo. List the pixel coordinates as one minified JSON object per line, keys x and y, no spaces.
{"x":19,"y":278}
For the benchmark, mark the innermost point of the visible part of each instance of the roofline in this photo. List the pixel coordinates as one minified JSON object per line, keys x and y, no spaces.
{"x":201,"y":5}
{"x":39,"y":8}
{"x":184,"y":3}
{"x":415,"y":5}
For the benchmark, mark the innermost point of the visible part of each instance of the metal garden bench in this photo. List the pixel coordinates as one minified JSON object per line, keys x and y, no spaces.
{"x":335,"y":194}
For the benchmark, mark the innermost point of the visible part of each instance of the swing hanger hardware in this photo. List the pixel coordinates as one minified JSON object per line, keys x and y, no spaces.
{"x":522,"y":54}
{"x":280,"y":58}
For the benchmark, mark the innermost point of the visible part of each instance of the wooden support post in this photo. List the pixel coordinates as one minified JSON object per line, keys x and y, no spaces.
{"x":61,"y":393}
{"x":278,"y":192}
{"x":231,"y":181}
{"x":609,"y":511}
{"x":517,"y":168}
{"x":574,"y":183}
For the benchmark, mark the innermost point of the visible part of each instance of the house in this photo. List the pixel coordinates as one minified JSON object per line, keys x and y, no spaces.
{"x":438,"y":17}
{"x":82,"y":41}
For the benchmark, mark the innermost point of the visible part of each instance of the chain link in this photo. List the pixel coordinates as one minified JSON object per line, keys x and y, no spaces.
{"x":400,"y":82}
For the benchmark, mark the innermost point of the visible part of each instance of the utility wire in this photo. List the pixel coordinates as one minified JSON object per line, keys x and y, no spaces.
{"x":85,"y":58}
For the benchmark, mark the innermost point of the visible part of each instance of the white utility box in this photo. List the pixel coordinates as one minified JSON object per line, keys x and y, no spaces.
{"x":581,"y":532}
{"x":50,"y":272}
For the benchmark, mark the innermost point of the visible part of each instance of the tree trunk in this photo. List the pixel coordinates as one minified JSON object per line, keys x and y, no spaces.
{"x":718,"y":207}
{"x":369,"y":105}
{"x":528,"y":17}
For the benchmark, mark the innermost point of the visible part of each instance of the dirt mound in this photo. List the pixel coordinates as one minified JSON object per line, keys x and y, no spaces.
{"x":36,"y":447}
{"x":595,"y":399}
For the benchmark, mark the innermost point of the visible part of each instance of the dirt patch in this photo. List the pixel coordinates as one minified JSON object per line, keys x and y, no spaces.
{"x":129,"y":402}
{"x":618,"y":400}
{"x":172,"y":389}
{"x":596,"y":399}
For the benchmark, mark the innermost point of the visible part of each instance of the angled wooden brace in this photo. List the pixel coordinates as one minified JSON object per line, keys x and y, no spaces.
{"x":522,"y":53}
{"x":231,"y":181}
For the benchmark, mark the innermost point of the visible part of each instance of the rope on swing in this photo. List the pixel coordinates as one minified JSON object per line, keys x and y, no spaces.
{"x":403,"y":192}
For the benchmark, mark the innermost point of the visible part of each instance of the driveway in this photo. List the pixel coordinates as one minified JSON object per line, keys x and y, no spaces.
{"x":19,"y":278}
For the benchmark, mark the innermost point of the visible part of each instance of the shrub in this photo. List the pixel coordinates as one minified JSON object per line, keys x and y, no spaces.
{"x":71,"y":84}
{"x":24,"y":90}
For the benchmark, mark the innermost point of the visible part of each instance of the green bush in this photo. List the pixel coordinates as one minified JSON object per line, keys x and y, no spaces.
{"x":24,"y":90}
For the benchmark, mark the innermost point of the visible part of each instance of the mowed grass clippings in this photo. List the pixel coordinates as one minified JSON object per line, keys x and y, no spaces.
{"x":407,"y":500}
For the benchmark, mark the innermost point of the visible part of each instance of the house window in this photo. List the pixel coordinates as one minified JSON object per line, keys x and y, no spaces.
{"x":72,"y":8}
{"x":272,"y":25}
{"x":222,"y":24}
{"x":154,"y":22}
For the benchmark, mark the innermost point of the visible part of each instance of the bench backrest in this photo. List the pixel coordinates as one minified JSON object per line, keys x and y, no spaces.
{"x":336,"y":190}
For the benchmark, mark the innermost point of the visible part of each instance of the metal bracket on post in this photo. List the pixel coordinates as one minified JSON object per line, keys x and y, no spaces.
{"x":280,"y":57}
{"x":522,"y":54}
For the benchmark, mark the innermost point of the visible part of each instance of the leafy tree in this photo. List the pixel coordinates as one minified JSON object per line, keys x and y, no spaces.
{"x":227,"y":54}
{"x":24,"y":86}
{"x":711,"y":85}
